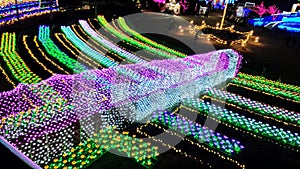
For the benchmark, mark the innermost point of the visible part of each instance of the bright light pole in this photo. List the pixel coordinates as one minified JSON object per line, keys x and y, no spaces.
{"x":224,"y":14}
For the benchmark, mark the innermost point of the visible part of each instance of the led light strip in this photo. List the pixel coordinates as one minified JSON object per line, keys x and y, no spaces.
{"x":32,"y":55}
{"x":201,"y":133}
{"x":142,"y":38}
{"x":7,"y":77}
{"x":127,"y":39}
{"x":266,"y":89}
{"x":55,"y":52}
{"x":89,"y":40}
{"x":263,"y":80}
{"x":160,"y":141}
{"x":239,"y":122}
{"x":17,"y":66}
{"x":108,"y":45}
{"x":100,"y":34}
{"x":86,"y":49}
{"x":262,"y":109}
{"x":81,"y":56}
{"x":45,"y":57}
{"x":199,"y":145}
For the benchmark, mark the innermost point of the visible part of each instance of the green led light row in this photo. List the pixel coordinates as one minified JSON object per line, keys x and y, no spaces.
{"x":142,"y":38}
{"x":14,"y":62}
{"x":263,"y":109}
{"x":263,"y":80}
{"x":130,"y":40}
{"x":266,"y":89}
{"x":55,"y":52}
{"x":256,"y":128}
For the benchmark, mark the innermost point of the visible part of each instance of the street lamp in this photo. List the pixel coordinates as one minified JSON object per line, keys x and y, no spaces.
{"x":224,"y":14}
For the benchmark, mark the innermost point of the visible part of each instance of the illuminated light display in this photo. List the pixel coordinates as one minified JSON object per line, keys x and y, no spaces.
{"x":288,"y":22}
{"x":290,"y":26}
{"x":270,"y":90}
{"x":244,"y":124}
{"x":182,"y":152}
{"x":14,"y":62}
{"x":105,"y":140}
{"x":203,"y":134}
{"x":26,"y":9}
{"x":55,"y":52}
{"x":110,"y":46}
{"x":45,"y":57}
{"x":43,"y":118}
{"x":132,"y":41}
{"x":34,"y":57}
{"x":99,"y":33}
{"x":243,"y":41}
{"x":93,"y":44}
{"x":263,"y":80}
{"x":259,"y":108}
{"x":7,"y":77}
{"x":86,"y":49}
{"x":81,"y":56}
{"x":123,"y":24}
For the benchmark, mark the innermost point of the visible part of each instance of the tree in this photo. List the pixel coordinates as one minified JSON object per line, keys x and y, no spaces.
{"x":273,"y":10}
{"x":260,"y":9}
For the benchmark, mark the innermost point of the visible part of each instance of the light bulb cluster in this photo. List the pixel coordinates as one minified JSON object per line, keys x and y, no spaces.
{"x":86,"y":49}
{"x":277,"y":92}
{"x":130,"y":40}
{"x":13,"y":60}
{"x":56,"y":53}
{"x":107,"y":139}
{"x":264,"y":130}
{"x":201,"y":133}
{"x":108,"y":45}
{"x":263,"y":80}
{"x":142,"y":38}
{"x":258,"y":107}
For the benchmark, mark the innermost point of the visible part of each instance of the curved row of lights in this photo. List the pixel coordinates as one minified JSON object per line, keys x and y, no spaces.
{"x":46,"y":57}
{"x":93,"y":44}
{"x":86,"y":49}
{"x":112,"y":41}
{"x":256,"y":128}
{"x":25,"y":37}
{"x":142,"y":38}
{"x":132,"y":41}
{"x":56,"y":53}
{"x":17,"y":66}
{"x":80,"y":55}
{"x":263,"y":80}
{"x":270,"y":90}
{"x":278,"y":114}
{"x":110,"y":46}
